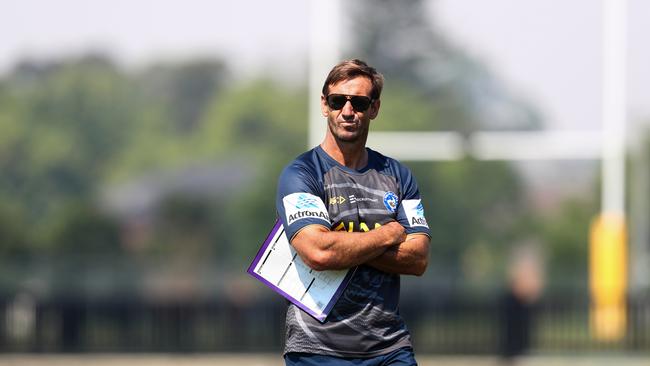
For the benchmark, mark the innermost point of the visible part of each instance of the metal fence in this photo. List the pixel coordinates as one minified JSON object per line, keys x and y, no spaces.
{"x":452,"y":326}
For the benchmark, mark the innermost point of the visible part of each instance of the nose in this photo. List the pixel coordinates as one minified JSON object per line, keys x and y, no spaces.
{"x":347,"y":111}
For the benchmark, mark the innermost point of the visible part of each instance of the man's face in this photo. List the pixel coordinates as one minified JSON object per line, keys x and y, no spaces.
{"x":347,"y":124}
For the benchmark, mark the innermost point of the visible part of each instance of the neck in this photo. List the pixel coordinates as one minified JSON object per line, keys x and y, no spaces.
{"x":349,"y":154}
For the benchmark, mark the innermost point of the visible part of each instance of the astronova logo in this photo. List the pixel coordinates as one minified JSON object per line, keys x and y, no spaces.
{"x":299,"y":206}
{"x":391,"y":201}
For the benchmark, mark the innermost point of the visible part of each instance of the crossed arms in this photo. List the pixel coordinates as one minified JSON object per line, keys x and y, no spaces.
{"x":386,"y":248}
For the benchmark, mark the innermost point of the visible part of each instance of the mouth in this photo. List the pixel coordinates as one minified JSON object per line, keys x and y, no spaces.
{"x":348,"y":124}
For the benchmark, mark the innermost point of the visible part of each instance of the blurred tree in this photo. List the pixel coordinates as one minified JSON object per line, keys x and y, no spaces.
{"x":257,"y":127}
{"x":81,"y":232}
{"x":14,"y":241}
{"x":184,"y":89}
{"x":167,"y":129}
{"x":397,"y":38}
{"x":66,"y":121}
{"x":182,"y":235}
{"x":474,"y":210}
{"x":262,"y":125}
{"x":404,"y":108}
{"x":566,"y":233}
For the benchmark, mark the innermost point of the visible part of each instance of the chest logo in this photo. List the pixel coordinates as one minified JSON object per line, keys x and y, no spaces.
{"x":390,"y":201}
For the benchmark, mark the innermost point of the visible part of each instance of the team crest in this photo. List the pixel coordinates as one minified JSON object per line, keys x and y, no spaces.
{"x":390,"y":201}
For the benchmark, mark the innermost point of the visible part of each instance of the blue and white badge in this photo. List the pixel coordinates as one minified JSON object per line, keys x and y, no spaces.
{"x":391,"y":201}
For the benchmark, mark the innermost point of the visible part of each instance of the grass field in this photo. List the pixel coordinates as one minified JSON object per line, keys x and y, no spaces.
{"x":276,"y":360}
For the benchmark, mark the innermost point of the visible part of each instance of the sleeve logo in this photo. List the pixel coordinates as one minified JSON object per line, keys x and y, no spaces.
{"x":391,"y":201}
{"x":306,"y":201}
{"x":299,"y":206}
{"x":415,"y":212}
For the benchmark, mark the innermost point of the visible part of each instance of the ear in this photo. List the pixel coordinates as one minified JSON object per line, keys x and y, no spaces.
{"x":373,"y":111}
{"x":324,"y":107}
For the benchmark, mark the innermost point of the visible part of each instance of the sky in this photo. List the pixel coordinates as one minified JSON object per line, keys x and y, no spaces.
{"x":547,"y":50}
{"x":537,"y":48}
{"x":551,"y":52}
{"x":137,"y":32}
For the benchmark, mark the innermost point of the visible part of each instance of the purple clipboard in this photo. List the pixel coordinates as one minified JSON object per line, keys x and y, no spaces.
{"x":278,"y":266}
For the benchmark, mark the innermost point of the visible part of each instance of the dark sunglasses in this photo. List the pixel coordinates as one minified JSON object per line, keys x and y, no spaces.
{"x":359,"y":102}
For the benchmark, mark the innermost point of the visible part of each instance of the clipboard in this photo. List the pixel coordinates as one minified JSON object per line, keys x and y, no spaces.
{"x":279,"y":267}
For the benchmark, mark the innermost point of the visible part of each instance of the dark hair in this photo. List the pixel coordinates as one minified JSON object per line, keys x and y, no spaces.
{"x":350,"y":69}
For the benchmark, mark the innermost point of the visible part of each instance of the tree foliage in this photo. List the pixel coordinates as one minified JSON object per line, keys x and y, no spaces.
{"x":398,"y":38}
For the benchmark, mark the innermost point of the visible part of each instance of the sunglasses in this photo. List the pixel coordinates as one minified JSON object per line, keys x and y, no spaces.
{"x":359,"y":102}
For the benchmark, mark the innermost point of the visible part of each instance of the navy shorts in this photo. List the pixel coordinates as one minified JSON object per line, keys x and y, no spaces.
{"x":399,"y":357}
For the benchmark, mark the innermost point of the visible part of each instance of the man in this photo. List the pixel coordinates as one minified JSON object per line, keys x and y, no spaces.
{"x":360,"y":209}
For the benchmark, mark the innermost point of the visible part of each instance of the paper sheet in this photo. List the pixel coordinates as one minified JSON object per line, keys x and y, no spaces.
{"x":279,"y":266}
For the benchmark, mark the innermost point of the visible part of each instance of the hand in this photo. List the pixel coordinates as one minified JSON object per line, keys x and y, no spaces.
{"x":395,"y":233}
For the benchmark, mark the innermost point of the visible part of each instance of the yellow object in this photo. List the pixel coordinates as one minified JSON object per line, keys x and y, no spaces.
{"x":608,"y":277}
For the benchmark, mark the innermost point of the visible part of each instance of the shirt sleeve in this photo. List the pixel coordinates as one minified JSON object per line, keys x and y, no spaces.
{"x":299,"y":201}
{"x":410,"y":212}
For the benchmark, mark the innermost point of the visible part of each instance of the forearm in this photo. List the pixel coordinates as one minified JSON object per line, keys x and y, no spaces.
{"x":410,"y":257}
{"x":322,"y":249}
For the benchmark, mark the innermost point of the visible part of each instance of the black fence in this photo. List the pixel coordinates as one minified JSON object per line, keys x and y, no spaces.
{"x":454,"y":325}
